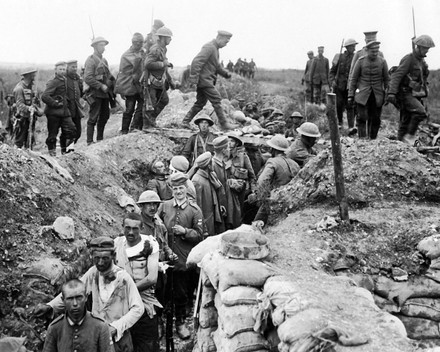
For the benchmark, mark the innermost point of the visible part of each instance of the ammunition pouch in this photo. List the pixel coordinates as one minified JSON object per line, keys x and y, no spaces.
{"x":158,"y":83}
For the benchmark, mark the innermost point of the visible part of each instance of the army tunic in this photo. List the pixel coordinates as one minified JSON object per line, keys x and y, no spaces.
{"x":24,"y":97}
{"x":90,"y":335}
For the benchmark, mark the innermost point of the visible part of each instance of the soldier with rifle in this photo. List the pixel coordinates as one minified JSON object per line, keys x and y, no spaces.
{"x":28,"y":108}
{"x":184,"y":222}
{"x":157,"y":80}
{"x":99,"y":93}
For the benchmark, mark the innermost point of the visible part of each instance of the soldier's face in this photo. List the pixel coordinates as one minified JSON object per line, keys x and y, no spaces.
{"x":204,"y":126}
{"x":132,"y":231}
{"x":137,"y":44}
{"x":100,"y":47}
{"x":159,"y":168}
{"x":373,"y":52}
{"x":72,"y":68}
{"x":103,"y":260}
{"x":75,"y":301}
{"x":60,"y":70}
{"x":222,"y":41}
{"x":150,"y":209}
{"x":310,"y":56}
{"x":351,"y":48}
{"x":320,"y":51}
{"x":423,"y":51}
{"x":179,"y":192}
{"x":232,"y":143}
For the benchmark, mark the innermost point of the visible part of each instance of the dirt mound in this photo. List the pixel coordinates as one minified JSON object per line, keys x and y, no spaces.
{"x":34,"y":260}
{"x":373,"y":171}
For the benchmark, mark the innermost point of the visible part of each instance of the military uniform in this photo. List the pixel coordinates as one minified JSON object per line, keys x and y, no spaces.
{"x":189,"y":216}
{"x":204,"y":69}
{"x":24,"y":97}
{"x":308,"y":81}
{"x":128,"y":85}
{"x":97,"y":74}
{"x":319,"y":71}
{"x":159,"y":82}
{"x":161,"y":186}
{"x":58,"y":113}
{"x":90,"y":335}
{"x":74,"y":94}
{"x":409,"y":84}
{"x":369,"y":80}
{"x":300,"y":152}
{"x":339,"y":76}
{"x":198,"y":144}
{"x":252,"y":69}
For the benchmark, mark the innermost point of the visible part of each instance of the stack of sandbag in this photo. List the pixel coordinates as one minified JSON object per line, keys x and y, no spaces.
{"x":236,"y":274}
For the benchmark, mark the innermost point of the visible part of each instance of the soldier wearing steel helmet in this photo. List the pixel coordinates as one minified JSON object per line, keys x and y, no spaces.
{"x":338,"y":78}
{"x":158,"y":78}
{"x":408,"y":86}
{"x":99,"y":93}
{"x":302,"y":149}
{"x":307,"y":79}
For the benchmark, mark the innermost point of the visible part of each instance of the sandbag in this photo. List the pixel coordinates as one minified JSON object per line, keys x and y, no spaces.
{"x":211,"y":264}
{"x":430,"y":246}
{"x":217,"y":301}
{"x":305,"y":322}
{"x":12,"y":344}
{"x":234,"y":272}
{"x":245,"y":342}
{"x":207,"y":297}
{"x":244,"y":245}
{"x":236,"y":319}
{"x":419,"y":328}
{"x":290,"y":308}
{"x":208,"y":317}
{"x":279,"y":289}
{"x":386,"y":305}
{"x":239,"y":295}
{"x":205,"y":342}
{"x":210,"y":244}
{"x":205,"y":279}
{"x":428,"y":308}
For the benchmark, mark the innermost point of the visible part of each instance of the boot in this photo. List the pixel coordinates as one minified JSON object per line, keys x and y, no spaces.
{"x":90,"y":133}
{"x":352,"y":131}
{"x":53,"y":152}
{"x":182,"y":330}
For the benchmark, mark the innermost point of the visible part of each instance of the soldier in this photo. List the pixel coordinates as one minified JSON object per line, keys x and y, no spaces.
{"x":74,"y":93}
{"x":179,"y":163}
{"x":113,"y":293}
{"x":369,"y":37}
{"x":242,"y":180}
{"x":252,"y":68}
{"x":338,"y":78}
{"x":408,"y":86}
{"x":151,"y":37}
{"x":369,"y":80}
{"x":278,"y":171}
{"x":319,"y":77}
{"x":204,"y":70}
{"x":208,"y":188}
{"x":159,"y":80}
{"x":238,"y":65}
{"x":307,"y":79}
{"x":245,"y":69}
{"x":159,"y":183}
{"x":27,"y":106}
{"x":128,"y":85}
{"x":77,"y":329}
{"x":301,"y":150}
{"x":184,"y":222}
{"x":138,"y":254}
{"x":57,"y":110}
{"x":291,"y":127}
{"x":200,"y":142}
{"x":230,"y":66}
{"x":99,"y":94}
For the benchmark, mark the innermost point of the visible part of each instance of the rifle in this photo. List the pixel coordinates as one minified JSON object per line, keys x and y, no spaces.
{"x":169,"y":341}
{"x":198,"y":302}
{"x":32,"y":111}
{"x":414,"y":29}
{"x":339,"y":60}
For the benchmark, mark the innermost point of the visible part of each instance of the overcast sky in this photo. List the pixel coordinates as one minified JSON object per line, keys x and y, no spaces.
{"x":275,"y":33}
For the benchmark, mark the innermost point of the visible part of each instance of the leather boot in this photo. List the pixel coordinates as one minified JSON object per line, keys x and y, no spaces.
{"x":90,"y":133}
{"x":182,"y":330}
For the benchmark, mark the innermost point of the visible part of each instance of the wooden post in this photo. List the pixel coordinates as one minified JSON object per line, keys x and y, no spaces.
{"x":337,"y":157}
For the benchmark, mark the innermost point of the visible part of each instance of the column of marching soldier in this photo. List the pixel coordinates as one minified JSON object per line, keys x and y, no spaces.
{"x":215,"y":185}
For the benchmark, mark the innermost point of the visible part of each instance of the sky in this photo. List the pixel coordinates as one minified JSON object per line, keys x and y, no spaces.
{"x":276,"y":33}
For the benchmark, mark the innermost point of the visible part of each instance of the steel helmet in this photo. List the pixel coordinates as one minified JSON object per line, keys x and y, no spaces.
{"x":99,"y":40}
{"x":350,"y":41}
{"x":239,"y":116}
{"x":148,"y":197}
{"x":164,"y":32}
{"x":278,"y":142}
{"x":296,"y":114}
{"x":309,"y":129}
{"x":424,"y":40}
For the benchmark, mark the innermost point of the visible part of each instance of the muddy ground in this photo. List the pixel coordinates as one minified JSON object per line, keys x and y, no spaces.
{"x":383,"y":233}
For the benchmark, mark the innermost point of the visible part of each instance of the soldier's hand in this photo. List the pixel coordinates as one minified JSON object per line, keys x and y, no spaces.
{"x":179,"y":230}
{"x":392,"y":99}
{"x":42,"y":310}
{"x":252,"y":198}
{"x":173,"y":258}
{"x":104,"y":88}
{"x":112,"y":331}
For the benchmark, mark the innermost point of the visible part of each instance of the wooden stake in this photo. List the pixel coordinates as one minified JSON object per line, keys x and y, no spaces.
{"x":337,"y":157}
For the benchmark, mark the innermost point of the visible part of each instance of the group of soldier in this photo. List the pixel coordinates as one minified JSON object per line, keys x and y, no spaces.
{"x":363,"y":83}
{"x":243,"y":68}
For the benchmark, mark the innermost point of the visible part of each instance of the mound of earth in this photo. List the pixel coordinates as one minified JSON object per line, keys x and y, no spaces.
{"x":373,"y":171}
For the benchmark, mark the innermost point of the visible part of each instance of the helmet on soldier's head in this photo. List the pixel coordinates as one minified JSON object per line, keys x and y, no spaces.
{"x":349,"y":42}
{"x":424,"y":40}
{"x":278,"y":142}
{"x":99,"y":40}
{"x":164,"y":32}
{"x":309,"y":129}
{"x":239,"y":116}
{"x":149,"y":197}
